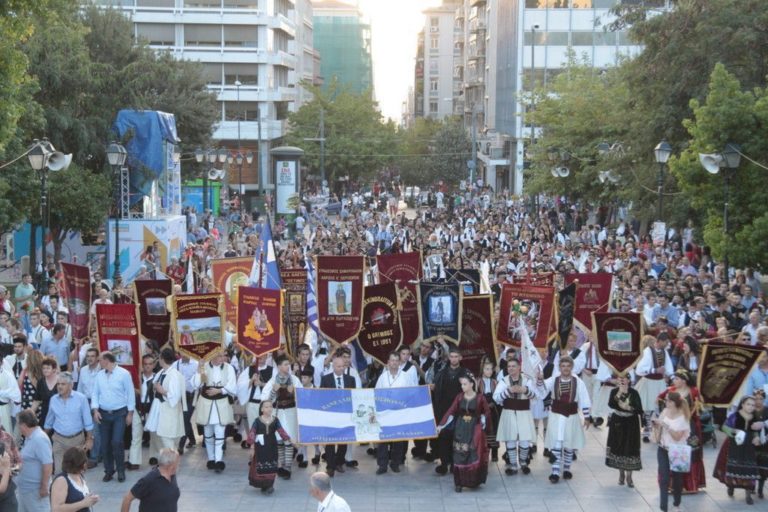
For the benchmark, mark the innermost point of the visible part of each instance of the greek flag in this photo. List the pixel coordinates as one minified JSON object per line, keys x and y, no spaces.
{"x":331,"y":416}
{"x":312,"y":315}
{"x":264,"y":260}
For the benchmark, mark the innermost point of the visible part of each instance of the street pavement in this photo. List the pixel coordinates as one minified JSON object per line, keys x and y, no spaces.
{"x":418,"y":488}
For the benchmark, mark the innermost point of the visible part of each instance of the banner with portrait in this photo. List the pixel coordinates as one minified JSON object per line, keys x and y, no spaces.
{"x":593,"y":292}
{"x":259,"y":319}
{"x":618,"y":339}
{"x":198,"y":324}
{"x":77,"y":285}
{"x":723,"y":369}
{"x":118,"y":329}
{"x":440,"y":311}
{"x":468,"y":277}
{"x":566,"y":306}
{"x":228,"y":275}
{"x":403,"y":266}
{"x":340,"y":281}
{"x":154,"y":317}
{"x":525,"y":306}
{"x":478,"y":338}
{"x":295,"y":307}
{"x":381,"y":332}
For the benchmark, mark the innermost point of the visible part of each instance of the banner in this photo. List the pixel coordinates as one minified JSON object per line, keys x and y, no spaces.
{"x":544,"y":279}
{"x":340,"y":282}
{"x":404,"y":267}
{"x":77,"y":284}
{"x":478,"y":340}
{"x":295,"y":307}
{"x":381,"y":332}
{"x":524,"y":306}
{"x":724,"y":368}
{"x":618,"y":338}
{"x":440,"y":311}
{"x":335,"y":416}
{"x":259,"y":319}
{"x":228,"y":275}
{"x":118,"y":329}
{"x":198,"y":324}
{"x":154,"y":317}
{"x":468,"y":277}
{"x":566,"y":306}
{"x":593,"y":292}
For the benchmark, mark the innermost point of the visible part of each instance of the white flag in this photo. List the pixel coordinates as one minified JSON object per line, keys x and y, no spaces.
{"x":531,"y":358}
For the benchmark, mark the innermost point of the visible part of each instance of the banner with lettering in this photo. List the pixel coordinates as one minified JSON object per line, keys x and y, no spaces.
{"x":537,"y":279}
{"x":404,"y":267}
{"x":478,"y":338}
{"x":440,"y":311}
{"x":154,"y":317}
{"x":340,"y":281}
{"x":566,"y":305}
{"x":295,"y":307}
{"x":525,"y":306}
{"x":77,"y":284}
{"x":618,"y":337}
{"x":724,"y":368}
{"x":228,"y":275}
{"x":259,"y":319}
{"x":468,"y":277}
{"x":198,"y":324}
{"x":381,"y":332}
{"x":118,"y":329}
{"x":593,"y":292}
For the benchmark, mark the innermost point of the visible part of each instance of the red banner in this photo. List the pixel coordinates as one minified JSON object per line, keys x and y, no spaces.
{"x":340,"y":282}
{"x":544,"y":279}
{"x":118,"y":329}
{"x":478,"y":341}
{"x":154,"y":317}
{"x":593,"y":292}
{"x":77,"y":284}
{"x":525,"y":306}
{"x":295,"y":307}
{"x":723,"y":369}
{"x":381,"y":332}
{"x":198,"y":324}
{"x":228,"y":275}
{"x":404,"y":267}
{"x":259,"y":319}
{"x":618,"y":339}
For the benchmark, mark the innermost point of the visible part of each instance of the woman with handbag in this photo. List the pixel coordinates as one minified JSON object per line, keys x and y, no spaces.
{"x":673,"y":426}
{"x":736,"y":463}
{"x":624,"y":426}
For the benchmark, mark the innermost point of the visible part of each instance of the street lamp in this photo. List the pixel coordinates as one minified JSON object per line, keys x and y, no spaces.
{"x":661,"y":152}
{"x":116,"y":155}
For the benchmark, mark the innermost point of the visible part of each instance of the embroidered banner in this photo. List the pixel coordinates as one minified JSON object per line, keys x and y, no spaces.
{"x":198,"y":324}
{"x":154,"y":317}
{"x":118,"y":329}
{"x":334,"y":416}
{"x":478,"y":340}
{"x":259,"y":319}
{"x":724,"y":368}
{"x":404,"y":267}
{"x":524,"y":306}
{"x":295,"y":307}
{"x":228,"y":275}
{"x":618,"y":337}
{"x":538,"y":279}
{"x":440,"y":310}
{"x":593,"y":291}
{"x":77,"y":283}
{"x":381,"y":332}
{"x":566,"y":305}
{"x":340,"y":282}
{"x":468,"y":277}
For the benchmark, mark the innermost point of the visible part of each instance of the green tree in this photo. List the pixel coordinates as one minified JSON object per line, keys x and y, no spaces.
{"x":416,"y":148}
{"x":452,"y":149}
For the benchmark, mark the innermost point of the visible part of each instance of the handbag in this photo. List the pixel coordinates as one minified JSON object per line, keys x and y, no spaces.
{"x":679,"y":457}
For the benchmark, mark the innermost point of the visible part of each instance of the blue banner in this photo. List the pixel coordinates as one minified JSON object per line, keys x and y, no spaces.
{"x":440,"y":310}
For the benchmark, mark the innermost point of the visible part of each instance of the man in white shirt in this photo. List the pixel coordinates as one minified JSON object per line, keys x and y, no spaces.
{"x":188,"y":368}
{"x":407,"y":366}
{"x":392,"y":453}
{"x":328,"y":501}
{"x":17,"y":361}
{"x":85,"y":381}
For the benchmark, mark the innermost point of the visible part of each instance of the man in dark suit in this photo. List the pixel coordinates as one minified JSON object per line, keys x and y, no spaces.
{"x":334,"y":453}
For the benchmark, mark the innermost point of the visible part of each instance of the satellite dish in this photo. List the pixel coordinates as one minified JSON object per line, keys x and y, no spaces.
{"x":712,"y":162}
{"x":215,"y":174}
{"x":58,"y":161}
{"x":563,"y":172}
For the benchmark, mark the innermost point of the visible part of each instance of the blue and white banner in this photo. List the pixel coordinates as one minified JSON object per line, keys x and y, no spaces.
{"x":336,"y":416}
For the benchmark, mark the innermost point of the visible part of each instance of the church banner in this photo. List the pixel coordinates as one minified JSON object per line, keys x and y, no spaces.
{"x":525,"y":306}
{"x":259,"y":319}
{"x":724,"y":368}
{"x":77,"y":284}
{"x":593,"y":291}
{"x":542,"y":279}
{"x":618,"y":337}
{"x":478,"y":340}
{"x":440,"y":311}
{"x":340,"y":281}
{"x":118,"y":329}
{"x":381,"y":332}
{"x":409,"y":311}
{"x":403,"y":267}
{"x":154,"y":317}
{"x":566,"y":305}
{"x":295,"y":307}
{"x":198,"y":324}
{"x":228,"y":275}
{"x":335,"y":416}
{"x":468,"y":277}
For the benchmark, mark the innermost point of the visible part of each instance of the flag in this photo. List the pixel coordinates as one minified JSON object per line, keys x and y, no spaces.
{"x":265,"y":261}
{"x":532,"y":361}
{"x":190,"y":284}
{"x":312,"y":315}
{"x":359,"y":362}
{"x":485,"y":280}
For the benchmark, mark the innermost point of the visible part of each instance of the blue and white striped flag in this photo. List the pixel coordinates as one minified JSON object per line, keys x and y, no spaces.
{"x":265,"y":260}
{"x":312,"y":315}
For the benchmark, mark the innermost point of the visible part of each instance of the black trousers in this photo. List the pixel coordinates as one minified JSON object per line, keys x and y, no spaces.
{"x":445,"y":447}
{"x":189,"y":434}
{"x":334,"y":455}
{"x":390,"y":453}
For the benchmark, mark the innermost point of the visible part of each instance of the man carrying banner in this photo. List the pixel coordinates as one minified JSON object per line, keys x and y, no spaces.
{"x":217,"y":383}
{"x":165,"y":421}
{"x":654,"y":367}
{"x":337,"y":379}
{"x":391,"y":453}
{"x":514,"y":393}
{"x":281,"y":390}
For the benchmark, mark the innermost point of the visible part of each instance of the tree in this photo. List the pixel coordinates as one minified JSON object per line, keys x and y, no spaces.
{"x":452,"y":150}
{"x":416,"y":146}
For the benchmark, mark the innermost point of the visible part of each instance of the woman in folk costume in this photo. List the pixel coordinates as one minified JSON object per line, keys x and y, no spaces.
{"x":264,"y":437}
{"x":218,"y":387}
{"x":165,"y":420}
{"x":486,"y":385}
{"x":514,"y":393}
{"x":470,"y":417}
{"x":281,"y":391}
{"x":654,"y":368}
{"x":761,"y":452}
{"x":622,"y":450}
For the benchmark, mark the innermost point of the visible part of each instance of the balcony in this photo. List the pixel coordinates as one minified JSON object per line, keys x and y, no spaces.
{"x":477,"y":25}
{"x":473,"y":3}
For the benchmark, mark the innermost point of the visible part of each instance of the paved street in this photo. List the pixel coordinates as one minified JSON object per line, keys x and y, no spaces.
{"x":418,"y":488}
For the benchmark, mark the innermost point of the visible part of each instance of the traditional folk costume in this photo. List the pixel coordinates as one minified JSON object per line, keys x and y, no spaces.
{"x":215,"y":413}
{"x":736,"y":464}
{"x":696,"y":478}
{"x":446,"y":387}
{"x":10,"y":395}
{"x":589,"y":374}
{"x":284,"y":402}
{"x":486,"y":387}
{"x":248,"y":395}
{"x":165,"y":421}
{"x":564,"y":431}
{"x":264,"y":464}
{"x":516,"y":427}
{"x":622,"y":449}
{"x":651,"y":384}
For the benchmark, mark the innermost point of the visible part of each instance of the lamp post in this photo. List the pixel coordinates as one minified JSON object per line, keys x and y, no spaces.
{"x":116,"y":155}
{"x":731,"y":160}
{"x":661,"y":152}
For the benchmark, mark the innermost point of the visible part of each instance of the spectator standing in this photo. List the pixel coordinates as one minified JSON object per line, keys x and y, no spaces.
{"x":157,"y":490}
{"x":37,"y":465}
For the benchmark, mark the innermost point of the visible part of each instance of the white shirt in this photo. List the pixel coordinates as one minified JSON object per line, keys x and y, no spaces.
{"x":188,"y":370}
{"x":387,"y":380}
{"x":87,"y":379}
{"x":333,"y":503}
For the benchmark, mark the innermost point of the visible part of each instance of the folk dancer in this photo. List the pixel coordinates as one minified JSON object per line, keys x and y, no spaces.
{"x":654,"y":367}
{"x":281,"y":391}
{"x":249,"y":385}
{"x":165,"y":421}
{"x":514,"y":393}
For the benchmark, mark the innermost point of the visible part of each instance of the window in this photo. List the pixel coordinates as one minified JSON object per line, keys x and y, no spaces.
{"x":202,"y":4}
{"x":433,"y":66}
{"x":434,"y":43}
{"x":281,"y":110}
{"x":241,"y":4}
{"x":281,"y":76}
{"x":546,"y":38}
{"x":605,"y":38}
{"x":155,"y":3}
{"x":281,"y":41}
{"x":202,"y":35}
{"x":434,"y":21}
{"x":212,"y":73}
{"x":433,"y":107}
{"x":241,"y":35}
{"x":160,"y":34}
{"x":434,"y":84}
{"x":624,"y":39}
{"x":248,"y":74}
{"x":245,"y":111}
{"x":581,"y":38}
